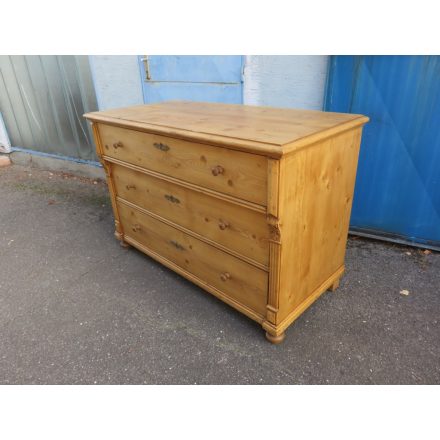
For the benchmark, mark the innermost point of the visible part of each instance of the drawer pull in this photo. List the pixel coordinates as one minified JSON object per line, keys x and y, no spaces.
{"x":117,"y":145}
{"x":160,"y":146}
{"x":130,"y":187}
{"x":171,"y":198}
{"x":177,"y":245}
{"x":218,"y":169}
{"x":223,"y":225}
{"x":225,"y":276}
{"x":136,"y":228}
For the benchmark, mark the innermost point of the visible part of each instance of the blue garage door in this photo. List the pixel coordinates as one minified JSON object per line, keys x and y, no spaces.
{"x":398,"y":183}
{"x":193,"y":78}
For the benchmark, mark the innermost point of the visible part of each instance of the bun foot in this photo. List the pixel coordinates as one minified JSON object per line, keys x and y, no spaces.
{"x":275,"y":339}
{"x":124,"y":244}
{"x":335,"y":285}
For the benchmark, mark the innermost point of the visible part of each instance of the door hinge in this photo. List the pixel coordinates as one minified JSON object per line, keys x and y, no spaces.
{"x":146,"y":68}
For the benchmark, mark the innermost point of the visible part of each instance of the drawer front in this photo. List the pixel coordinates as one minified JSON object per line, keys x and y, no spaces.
{"x":235,"y":173}
{"x":232,"y":276}
{"x":237,"y":228}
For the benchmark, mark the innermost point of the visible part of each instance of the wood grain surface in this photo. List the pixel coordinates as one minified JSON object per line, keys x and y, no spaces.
{"x":263,"y":130}
{"x":263,"y":228}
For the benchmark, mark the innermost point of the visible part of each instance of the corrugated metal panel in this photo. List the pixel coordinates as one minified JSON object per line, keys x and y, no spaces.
{"x":210,"y":78}
{"x":397,"y":193}
{"x":43,"y":98}
{"x":5,"y":144}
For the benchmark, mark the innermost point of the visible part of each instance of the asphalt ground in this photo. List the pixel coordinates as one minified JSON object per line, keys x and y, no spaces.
{"x":76,"y":308}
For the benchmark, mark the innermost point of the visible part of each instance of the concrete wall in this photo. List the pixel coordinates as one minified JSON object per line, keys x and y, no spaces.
{"x":117,"y":80}
{"x":285,"y":81}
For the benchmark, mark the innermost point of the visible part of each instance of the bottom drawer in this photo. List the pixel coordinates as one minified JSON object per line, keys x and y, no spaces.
{"x":233,"y":277}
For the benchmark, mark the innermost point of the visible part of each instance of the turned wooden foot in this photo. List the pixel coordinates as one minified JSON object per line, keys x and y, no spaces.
{"x":120,"y":237}
{"x":275,"y":339}
{"x":335,"y":285}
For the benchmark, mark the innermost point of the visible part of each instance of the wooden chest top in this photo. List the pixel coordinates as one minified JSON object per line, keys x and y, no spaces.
{"x":262,"y":130}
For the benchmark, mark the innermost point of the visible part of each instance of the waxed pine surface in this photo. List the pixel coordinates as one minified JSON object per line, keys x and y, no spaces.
{"x":253,"y":123}
{"x":66,"y":318}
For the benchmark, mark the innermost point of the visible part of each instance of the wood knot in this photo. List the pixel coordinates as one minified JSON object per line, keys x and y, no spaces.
{"x":274,"y":228}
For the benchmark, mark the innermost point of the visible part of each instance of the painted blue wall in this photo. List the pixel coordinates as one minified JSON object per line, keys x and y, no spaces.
{"x":117,"y":80}
{"x":398,"y":181}
{"x":295,"y":81}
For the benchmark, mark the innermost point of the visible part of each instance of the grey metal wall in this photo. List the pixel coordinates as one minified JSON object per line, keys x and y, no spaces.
{"x":42,"y":100}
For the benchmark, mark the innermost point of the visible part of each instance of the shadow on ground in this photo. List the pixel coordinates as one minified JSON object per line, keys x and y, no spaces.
{"x":76,"y":308}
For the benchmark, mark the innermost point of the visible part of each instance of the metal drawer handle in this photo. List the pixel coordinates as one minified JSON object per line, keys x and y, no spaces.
{"x":177,"y":245}
{"x":218,"y":169}
{"x":130,"y":187}
{"x":136,"y":228}
{"x":171,"y":198}
{"x":160,"y":146}
{"x":223,"y":225}
{"x":225,"y":276}
{"x":118,"y":145}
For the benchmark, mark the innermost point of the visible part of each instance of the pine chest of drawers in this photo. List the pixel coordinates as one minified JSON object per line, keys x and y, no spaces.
{"x":250,"y":203}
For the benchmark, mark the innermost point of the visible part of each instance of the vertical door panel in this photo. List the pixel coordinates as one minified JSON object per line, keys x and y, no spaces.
{"x":195,"y":78}
{"x":398,"y":183}
{"x":198,"y":68}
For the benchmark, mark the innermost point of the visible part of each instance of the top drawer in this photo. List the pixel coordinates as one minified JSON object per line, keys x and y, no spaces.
{"x":238,"y":174}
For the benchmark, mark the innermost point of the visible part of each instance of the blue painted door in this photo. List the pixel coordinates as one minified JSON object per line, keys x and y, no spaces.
{"x":397,"y":191}
{"x":211,"y":78}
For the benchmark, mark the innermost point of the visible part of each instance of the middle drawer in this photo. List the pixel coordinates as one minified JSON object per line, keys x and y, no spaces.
{"x":237,"y":228}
